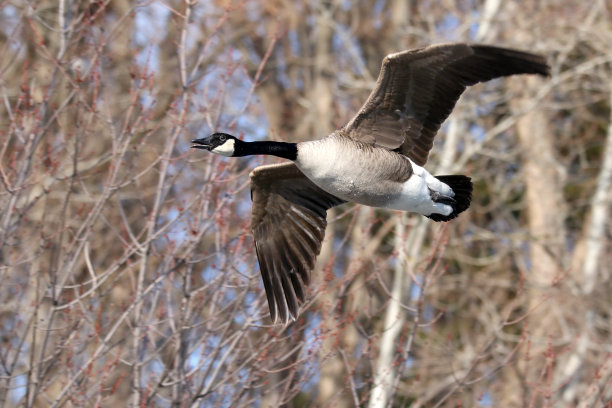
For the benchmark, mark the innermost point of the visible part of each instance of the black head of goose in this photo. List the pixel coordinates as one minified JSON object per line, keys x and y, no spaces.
{"x":374,"y":160}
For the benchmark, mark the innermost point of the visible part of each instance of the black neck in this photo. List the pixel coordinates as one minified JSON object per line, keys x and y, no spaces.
{"x":279,"y":149}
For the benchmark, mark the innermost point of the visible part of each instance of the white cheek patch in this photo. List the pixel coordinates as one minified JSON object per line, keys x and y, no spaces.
{"x":226,"y":149}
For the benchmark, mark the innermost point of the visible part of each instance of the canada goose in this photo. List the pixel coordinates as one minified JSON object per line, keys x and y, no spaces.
{"x":374,"y":160}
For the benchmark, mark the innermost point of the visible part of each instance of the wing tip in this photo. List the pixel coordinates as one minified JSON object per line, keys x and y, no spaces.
{"x":285,"y":319}
{"x":526,"y":62}
{"x":533,"y":63}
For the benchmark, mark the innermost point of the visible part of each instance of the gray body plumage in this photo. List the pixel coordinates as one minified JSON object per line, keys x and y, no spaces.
{"x":331,"y":164}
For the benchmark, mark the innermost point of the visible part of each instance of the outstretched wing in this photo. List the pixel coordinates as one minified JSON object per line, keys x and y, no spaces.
{"x":416,"y":90}
{"x":288,"y":222}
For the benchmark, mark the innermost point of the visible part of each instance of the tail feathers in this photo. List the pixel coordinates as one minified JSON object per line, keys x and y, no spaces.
{"x":462,"y":187}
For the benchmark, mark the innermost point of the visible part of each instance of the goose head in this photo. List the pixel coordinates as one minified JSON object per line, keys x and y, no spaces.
{"x":218,"y":143}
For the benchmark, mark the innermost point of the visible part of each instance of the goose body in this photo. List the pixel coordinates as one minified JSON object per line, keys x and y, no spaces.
{"x":383,"y":178}
{"x":376,"y":160}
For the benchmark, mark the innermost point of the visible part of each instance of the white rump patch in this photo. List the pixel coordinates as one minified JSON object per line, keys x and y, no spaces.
{"x":416,"y":196}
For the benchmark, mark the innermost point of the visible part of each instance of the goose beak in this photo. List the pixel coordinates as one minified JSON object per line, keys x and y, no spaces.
{"x":202,"y":143}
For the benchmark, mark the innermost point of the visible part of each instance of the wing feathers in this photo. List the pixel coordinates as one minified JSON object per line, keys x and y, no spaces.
{"x":416,"y":90}
{"x":288,"y":224}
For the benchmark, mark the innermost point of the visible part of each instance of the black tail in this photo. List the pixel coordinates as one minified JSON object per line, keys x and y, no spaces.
{"x":462,"y":186}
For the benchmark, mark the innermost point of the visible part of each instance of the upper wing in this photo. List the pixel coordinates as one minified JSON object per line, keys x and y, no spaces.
{"x":288,"y":223}
{"x":416,"y":90}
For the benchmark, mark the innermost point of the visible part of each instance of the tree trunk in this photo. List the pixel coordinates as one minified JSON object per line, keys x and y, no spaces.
{"x":546,"y":212}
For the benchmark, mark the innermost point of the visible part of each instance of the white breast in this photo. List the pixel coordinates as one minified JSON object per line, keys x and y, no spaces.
{"x":326,"y":164}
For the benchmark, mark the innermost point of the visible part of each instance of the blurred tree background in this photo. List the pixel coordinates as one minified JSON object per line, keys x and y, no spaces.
{"x":129,"y":275}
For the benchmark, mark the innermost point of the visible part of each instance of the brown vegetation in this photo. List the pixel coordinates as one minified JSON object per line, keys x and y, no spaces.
{"x":128,"y":269}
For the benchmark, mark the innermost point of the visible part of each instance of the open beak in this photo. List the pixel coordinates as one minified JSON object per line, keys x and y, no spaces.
{"x":202,"y":143}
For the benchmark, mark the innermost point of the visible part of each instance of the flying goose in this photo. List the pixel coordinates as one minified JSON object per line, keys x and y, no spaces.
{"x":375,"y":160}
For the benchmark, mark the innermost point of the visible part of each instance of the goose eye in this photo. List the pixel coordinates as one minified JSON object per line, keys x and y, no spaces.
{"x":222,"y":138}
